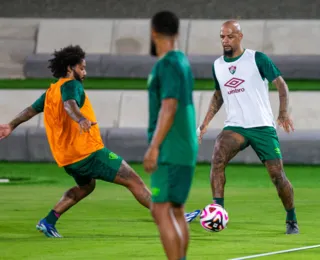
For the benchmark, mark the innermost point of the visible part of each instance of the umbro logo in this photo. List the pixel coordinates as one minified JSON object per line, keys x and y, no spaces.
{"x":234,"y":83}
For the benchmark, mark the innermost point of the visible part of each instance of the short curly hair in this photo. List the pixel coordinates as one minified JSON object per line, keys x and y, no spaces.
{"x":166,"y":23}
{"x":68,"y":56}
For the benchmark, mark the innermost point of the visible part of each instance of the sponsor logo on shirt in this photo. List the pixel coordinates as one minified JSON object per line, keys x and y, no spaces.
{"x":234,"y":83}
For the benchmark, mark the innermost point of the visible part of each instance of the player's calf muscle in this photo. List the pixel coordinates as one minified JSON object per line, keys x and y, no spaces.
{"x":276,"y":172}
{"x":281,"y":182}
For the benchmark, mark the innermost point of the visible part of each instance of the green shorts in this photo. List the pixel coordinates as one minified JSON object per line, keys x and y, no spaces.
{"x":263,"y":140}
{"x":101,"y":165}
{"x":171,"y":183}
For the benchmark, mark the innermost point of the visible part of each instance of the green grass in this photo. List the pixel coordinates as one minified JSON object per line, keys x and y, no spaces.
{"x":109,"y":224}
{"x":134,"y":84}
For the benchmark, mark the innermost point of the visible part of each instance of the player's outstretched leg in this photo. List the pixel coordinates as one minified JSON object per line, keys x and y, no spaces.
{"x":169,"y":229}
{"x":285,"y":192}
{"x":70,"y":198}
{"x":127,"y":177}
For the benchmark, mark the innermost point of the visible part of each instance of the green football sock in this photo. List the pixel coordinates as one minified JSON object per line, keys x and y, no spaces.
{"x":183,"y":258}
{"x":219,"y":201}
{"x":291,"y":215}
{"x":52,"y":217}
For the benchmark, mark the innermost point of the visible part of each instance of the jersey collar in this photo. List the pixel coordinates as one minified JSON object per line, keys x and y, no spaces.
{"x":226,"y":59}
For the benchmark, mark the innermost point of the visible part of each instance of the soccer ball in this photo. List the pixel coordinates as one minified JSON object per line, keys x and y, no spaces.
{"x":214,"y":218}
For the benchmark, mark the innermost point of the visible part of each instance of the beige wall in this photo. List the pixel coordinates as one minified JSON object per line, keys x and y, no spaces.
{"x":122,"y":109}
{"x":22,"y":37}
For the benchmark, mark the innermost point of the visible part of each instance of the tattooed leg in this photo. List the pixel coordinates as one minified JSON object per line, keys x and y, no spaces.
{"x":73,"y":196}
{"x":70,"y":198}
{"x":227,"y":145}
{"x":280,"y":180}
{"x":127,"y":177}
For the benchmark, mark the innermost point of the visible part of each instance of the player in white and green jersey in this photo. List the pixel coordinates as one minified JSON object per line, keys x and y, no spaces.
{"x":241,"y":78}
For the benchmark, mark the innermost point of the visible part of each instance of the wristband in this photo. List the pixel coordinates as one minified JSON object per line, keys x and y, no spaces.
{"x":81,"y":119}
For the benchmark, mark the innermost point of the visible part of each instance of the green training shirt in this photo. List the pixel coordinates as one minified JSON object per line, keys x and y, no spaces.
{"x":171,"y":77}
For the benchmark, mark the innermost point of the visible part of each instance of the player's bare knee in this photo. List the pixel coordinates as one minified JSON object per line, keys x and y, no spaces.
{"x":88,"y":188}
{"x":158,"y":210}
{"x":156,"y":213}
{"x":91,"y":186}
{"x":274,"y":166}
{"x":279,"y":179}
{"x":275,"y":180}
{"x":178,"y":210}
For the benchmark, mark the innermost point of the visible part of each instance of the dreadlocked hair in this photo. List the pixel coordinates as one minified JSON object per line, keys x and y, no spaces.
{"x":68,"y":56}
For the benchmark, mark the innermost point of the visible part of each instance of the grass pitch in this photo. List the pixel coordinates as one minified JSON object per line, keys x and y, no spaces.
{"x":110,"y":224}
{"x":140,"y":84}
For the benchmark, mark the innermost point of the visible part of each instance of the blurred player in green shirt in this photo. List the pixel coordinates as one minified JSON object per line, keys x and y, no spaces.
{"x":173,"y":147}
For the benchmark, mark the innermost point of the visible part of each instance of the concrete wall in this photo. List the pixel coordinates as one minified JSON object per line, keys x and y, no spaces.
{"x":196,"y":9}
{"x":120,"y":48}
{"x":198,"y":37}
{"x":123,"y":116}
{"x":17,"y":41}
{"x":128,"y":42}
{"x":31,"y":145}
{"x":129,"y":109}
{"x":139,"y":66}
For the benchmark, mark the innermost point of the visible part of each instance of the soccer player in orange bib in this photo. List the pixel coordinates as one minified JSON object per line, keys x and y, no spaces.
{"x":74,"y":137}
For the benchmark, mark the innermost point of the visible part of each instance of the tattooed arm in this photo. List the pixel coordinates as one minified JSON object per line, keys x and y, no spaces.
{"x":25,"y":115}
{"x":214,"y":106}
{"x":71,"y":107}
{"x":215,"y":103}
{"x":283,"y":94}
{"x":73,"y":110}
{"x":73,"y":95}
{"x":22,"y":117}
{"x":28,"y":113}
{"x":284,"y":119}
